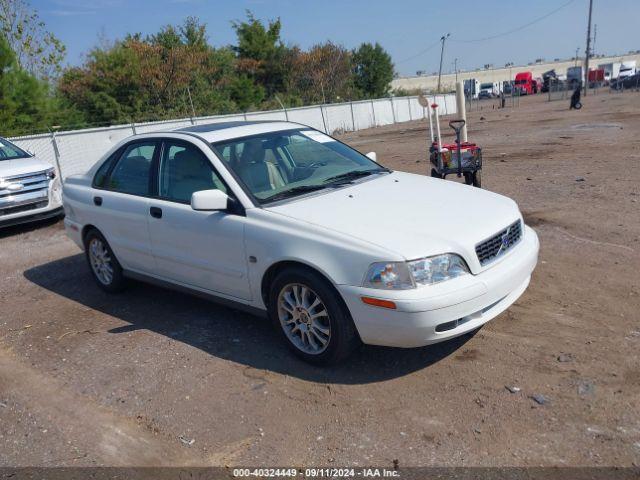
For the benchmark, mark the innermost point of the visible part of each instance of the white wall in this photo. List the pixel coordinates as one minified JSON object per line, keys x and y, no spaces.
{"x":76,"y":151}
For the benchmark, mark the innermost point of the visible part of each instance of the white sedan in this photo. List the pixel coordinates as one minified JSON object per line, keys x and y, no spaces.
{"x":283,"y":220}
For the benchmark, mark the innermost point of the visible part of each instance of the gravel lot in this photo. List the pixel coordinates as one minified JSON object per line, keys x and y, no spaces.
{"x":153,"y":377}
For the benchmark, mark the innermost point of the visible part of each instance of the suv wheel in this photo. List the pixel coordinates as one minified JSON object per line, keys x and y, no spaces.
{"x":103,"y":263}
{"x":312,"y":318}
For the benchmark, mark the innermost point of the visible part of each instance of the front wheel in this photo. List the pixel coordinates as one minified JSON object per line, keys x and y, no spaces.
{"x":477,"y":179}
{"x":435,"y":174}
{"x":315,"y":323}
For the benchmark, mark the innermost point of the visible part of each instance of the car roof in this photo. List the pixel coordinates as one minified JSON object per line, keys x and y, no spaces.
{"x":220,"y":131}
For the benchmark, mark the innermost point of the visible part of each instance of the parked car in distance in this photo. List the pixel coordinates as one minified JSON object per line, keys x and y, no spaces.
{"x":282,"y":220}
{"x":29,"y":187}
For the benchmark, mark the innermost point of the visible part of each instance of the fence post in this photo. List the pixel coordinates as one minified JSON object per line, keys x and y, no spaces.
{"x":244,"y":114}
{"x":133,"y":128}
{"x":56,"y":152}
{"x":353,"y":117}
{"x":393,"y":110}
{"x":324,"y":122}
{"x":409,"y":105}
{"x":373,"y":112}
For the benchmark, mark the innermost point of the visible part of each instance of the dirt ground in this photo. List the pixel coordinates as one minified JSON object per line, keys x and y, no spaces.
{"x":153,"y":377}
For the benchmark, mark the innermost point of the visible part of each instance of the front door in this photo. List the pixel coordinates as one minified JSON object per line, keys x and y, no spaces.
{"x":195,"y":248}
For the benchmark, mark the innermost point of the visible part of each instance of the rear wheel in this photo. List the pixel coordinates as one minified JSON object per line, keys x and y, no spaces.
{"x":104,"y":265}
{"x":314,"y":322}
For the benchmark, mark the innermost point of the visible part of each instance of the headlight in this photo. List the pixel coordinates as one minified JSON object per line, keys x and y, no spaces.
{"x":389,"y":276}
{"x":407,"y":275}
{"x":430,"y":270}
{"x":51,"y":173}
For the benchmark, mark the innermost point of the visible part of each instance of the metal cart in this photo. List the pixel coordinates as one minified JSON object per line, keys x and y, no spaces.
{"x":459,"y":158}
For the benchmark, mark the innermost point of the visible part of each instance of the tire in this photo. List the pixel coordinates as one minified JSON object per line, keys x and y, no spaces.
{"x":103,"y":264}
{"x":435,"y":174}
{"x":292,"y":296}
{"x":477,"y":179}
{"x":468,"y":178}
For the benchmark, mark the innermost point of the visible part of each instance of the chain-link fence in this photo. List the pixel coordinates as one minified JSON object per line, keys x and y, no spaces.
{"x":503,"y":100}
{"x":74,"y":152}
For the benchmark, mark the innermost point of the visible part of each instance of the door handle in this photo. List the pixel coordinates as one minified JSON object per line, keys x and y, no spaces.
{"x":97,"y":201}
{"x":155,"y":212}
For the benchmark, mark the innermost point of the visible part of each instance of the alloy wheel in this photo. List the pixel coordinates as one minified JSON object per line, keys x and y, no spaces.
{"x":304,"y":318}
{"x":100,"y":261}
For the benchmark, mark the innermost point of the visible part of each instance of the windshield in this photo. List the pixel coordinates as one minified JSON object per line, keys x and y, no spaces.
{"x":8,"y":151}
{"x":487,"y":86}
{"x":277,"y":165}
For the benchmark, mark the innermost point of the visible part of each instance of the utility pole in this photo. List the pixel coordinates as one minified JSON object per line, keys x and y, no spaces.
{"x":193,"y":110}
{"x":588,"y":51}
{"x":442,"y":39}
{"x":575,"y":63}
{"x":595,"y":32}
{"x":455,"y":67}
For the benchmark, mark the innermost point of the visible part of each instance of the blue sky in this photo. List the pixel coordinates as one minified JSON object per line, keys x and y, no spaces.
{"x":404,"y":27}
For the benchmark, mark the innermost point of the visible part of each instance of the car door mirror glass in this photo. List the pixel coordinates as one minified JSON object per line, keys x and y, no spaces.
{"x":209,"y":200}
{"x":372,"y":156}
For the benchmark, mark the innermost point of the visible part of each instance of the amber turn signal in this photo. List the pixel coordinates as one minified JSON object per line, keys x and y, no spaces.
{"x":376,"y":302}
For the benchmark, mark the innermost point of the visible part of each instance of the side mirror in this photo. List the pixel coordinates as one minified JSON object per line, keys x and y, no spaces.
{"x":372,"y":156}
{"x":209,"y":200}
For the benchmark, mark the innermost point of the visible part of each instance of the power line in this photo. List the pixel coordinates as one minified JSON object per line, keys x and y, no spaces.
{"x":517,"y":29}
{"x":434,"y":44}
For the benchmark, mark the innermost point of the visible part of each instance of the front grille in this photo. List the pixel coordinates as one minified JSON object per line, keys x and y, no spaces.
{"x":20,"y":193}
{"x":499,"y":244}
{"x":23,"y":208}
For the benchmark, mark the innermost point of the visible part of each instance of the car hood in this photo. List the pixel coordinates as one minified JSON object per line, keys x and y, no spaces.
{"x":22,"y":166}
{"x":410,"y":215}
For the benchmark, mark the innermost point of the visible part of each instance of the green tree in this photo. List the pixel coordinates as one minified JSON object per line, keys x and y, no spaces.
{"x":36,"y":50}
{"x":24,"y":101}
{"x":261,"y":53}
{"x":373,"y":70}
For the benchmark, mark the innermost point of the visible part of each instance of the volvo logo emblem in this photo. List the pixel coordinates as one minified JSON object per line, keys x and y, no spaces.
{"x":505,"y":240}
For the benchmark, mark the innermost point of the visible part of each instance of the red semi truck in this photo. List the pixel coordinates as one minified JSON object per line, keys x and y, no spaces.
{"x":524,"y":83}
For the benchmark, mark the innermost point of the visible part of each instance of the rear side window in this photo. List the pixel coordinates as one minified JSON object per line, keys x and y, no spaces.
{"x":100,"y":178}
{"x":131,"y":173}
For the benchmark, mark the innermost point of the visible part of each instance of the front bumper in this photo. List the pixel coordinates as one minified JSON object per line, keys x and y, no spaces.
{"x":52,"y":206}
{"x":439,"y":312}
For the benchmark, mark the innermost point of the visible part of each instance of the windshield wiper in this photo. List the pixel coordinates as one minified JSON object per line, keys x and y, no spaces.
{"x":354,"y":174}
{"x":292,"y":192}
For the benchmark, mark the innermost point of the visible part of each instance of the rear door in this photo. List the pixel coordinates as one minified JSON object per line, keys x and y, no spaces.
{"x":195,"y":248}
{"x":120,"y":197}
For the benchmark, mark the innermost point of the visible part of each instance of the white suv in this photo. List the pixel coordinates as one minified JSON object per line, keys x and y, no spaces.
{"x":283,"y":220}
{"x":29,"y":189}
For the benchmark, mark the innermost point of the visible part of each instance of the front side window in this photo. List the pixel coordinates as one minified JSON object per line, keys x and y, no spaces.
{"x":8,"y":151}
{"x":184,"y":169}
{"x":283,"y":164}
{"x":131,"y":173}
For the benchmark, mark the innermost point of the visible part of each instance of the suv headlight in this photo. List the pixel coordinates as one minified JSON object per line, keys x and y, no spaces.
{"x":407,"y":275}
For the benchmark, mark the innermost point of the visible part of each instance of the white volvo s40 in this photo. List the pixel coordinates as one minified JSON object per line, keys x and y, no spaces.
{"x":283,"y":220}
